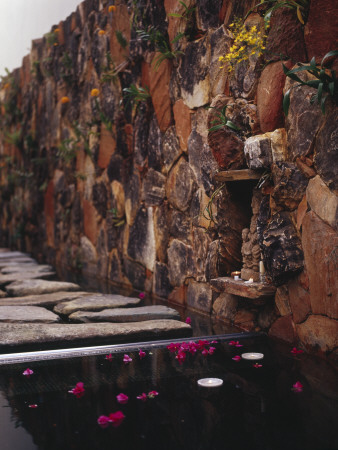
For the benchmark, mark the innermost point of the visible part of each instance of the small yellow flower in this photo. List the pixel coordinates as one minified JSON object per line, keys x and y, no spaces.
{"x":65,"y":100}
{"x":57,"y":30}
{"x":7,"y":86}
{"x":112,"y":8}
{"x":95,"y":92}
{"x":101,"y":32}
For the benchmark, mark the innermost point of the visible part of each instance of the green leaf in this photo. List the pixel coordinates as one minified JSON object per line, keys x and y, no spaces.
{"x":216,"y":127}
{"x":328,"y":55}
{"x":175,"y":15}
{"x":322,"y":104}
{"x":313,"y":83}
{"x":286,"y":102}
{"x":331,"y":87}
{"x":294,"y":77}
{"x":320,"y":92}
{"x":231,"y":125}
{"x":313,"y":63}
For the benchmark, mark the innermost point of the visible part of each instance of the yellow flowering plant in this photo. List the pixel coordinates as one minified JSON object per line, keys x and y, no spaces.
{"x":247,"y":42}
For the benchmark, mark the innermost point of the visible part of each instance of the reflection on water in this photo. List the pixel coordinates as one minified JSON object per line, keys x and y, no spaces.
{"x":254,"y":409}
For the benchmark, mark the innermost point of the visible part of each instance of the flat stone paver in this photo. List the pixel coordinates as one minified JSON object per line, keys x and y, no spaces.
{"x":13,"y":334}
{"x":31,"y":314}
{"x":50,"y":299}
{"x":3,"y":294}
{"x":26,"y":275}
{"x":96,"y":302}
{"x":12,"y":261}
{"x":155,"y":312}
{"x":30,"y":287}
{"x":27,"y":267}
{"x":9,"y":254}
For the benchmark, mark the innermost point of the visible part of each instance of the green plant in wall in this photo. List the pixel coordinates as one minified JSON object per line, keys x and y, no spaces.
{"x":117,"y":221}
{"x":121,"y":39}
{"x":248,"y":42}
{"x":66,"y":70}
{"x":301,"y":8}
{"x":136,"y":94}
{"x":110,"y":71}
{"x":208,"y":212}
{"x":51,"y":38}
{"x":161,"y":45}
{"x":187,"y":13}
{"x":325,"y":81}
{"x":221,"y":120}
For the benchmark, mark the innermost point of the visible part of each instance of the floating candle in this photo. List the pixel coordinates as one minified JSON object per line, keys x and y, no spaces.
{"x":210,"y":382}
{"x":253,"y":356}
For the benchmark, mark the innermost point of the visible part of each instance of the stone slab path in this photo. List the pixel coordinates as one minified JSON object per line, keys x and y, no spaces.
{"x":35,"y":312}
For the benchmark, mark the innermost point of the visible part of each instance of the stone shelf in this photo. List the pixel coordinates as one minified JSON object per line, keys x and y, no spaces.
{"x":239,"y":287}
{"x":238,"y":175}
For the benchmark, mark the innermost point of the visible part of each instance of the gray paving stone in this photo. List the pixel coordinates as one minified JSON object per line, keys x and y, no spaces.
{"x":140,"y":314}
{"x":13,"y":255}
{"x":19,"y":260}
{"x":96,"y":302}
{"x":50,"y":299}
{"x":33,"y":335}
{"x":26,"y":267}
{"x":30,"y":287}
{"x":20,"y":276}
{"x":31,"y":314}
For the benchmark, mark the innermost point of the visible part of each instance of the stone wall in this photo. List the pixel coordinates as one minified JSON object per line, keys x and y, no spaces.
{"x":118,"y":189}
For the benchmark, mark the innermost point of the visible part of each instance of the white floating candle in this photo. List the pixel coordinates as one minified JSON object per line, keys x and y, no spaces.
{"x":261,"y":267}
{"x":236,"y":277}
{"x":253,"y":356}
{"x":210,"y":382}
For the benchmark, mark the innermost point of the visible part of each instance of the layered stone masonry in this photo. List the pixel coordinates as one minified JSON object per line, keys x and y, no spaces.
{"x":121,"y":190}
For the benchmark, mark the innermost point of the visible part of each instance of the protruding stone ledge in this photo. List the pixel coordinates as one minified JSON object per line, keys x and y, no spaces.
{"x":238,"y":175}
{"x":255,"y":291}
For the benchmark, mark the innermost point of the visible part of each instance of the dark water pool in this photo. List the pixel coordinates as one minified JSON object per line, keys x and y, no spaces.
{"x":255,"y":408}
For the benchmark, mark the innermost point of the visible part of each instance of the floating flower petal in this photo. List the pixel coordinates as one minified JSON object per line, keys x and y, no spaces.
{"x":142,"y":354}
{"x":34,"y":405}
{"x":122,"y":398}
{"x":188,"y":320}
{"x":142,"y":397}
{"x":127,"y":359}
{"x":103,"y":421}
{"x":28,"y":372}
{"x":78,"y":391}
{"x":141,"y":295}
{"x":109,"y":357}
{"x":297,"y":387}
{"x":295,"y":351}
{"x":116,"y":418}
{"x":152,"y":394}
{"x":257,"y":365}
{"x":237,"y":358}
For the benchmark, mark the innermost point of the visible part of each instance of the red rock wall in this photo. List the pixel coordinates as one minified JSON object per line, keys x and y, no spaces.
{"x":118,"y":191}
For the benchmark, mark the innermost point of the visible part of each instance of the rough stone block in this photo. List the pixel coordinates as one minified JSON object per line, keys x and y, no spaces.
{"x":199,"y":296}
{"x":290,"y":185}
{"x":181,"y":185}
{"x":180,"y":262}
{"x":154,"y":188}
{"x":225,"y":306}
{"x":257,"y":150}
{"x":171,"y":149}
{"x":320,"y":244}
{"x":323,"y":201}
{"x":182,"y":116}
{"x":141,"y":243}
{"x":282,"y":301}
{"x":284,"y":329}
{"x":299,"y":300}
{"x":319,"y":333}
{"x":162,"y":286}
{"x":159,"y":90}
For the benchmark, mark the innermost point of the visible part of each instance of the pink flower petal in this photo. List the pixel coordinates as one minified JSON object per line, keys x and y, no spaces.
{"x":109,"y":357}
{"x":78,"y":391}
{"x":116,"y":418}
{"x":257,"y":365}
{"x":297,"y":387}
{"x":122,"y":398}
{"x":142,"y":354}
{"x":295,"y":351}
{"x":28,"y":372}
{"x":205,"y":352}
{"x":211,"y":350}
{"x":127,"y":359}
{"x":103,"y":421}
{"x":152,"y":394}
{"x":142,"y":397}
{"x":188,"y":320}
{"x":237,"y":358}
{"x":141,"y":295}
{"x":34,"y":405}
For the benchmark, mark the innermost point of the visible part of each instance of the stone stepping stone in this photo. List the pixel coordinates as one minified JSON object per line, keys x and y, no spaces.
{"x":3,"y":294}
{"x":13,"y":255}
{"x":17,"y":268}
{"x":32,"y":314}
{"x":96,"y":302}
{"x":14,"y":334}
{"x":31,"y":287}
{"x":12,"y":261}
{"x":127,"y":314}
{"x":28,"y":275}
{"x":50,"y":299}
